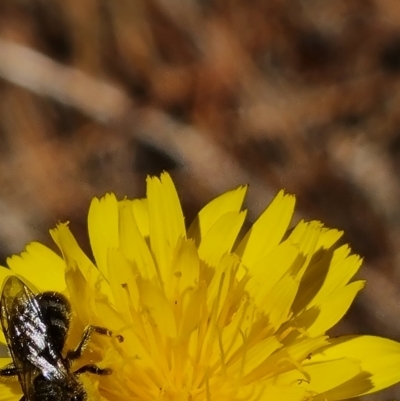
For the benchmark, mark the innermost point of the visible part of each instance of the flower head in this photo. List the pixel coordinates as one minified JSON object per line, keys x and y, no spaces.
{"x":206,"y":315}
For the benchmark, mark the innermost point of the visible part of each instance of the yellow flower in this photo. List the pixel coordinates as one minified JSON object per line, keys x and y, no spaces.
{"x":205,"y":315}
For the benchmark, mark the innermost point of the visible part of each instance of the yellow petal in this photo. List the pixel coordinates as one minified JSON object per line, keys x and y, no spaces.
{"x":40,"y":266}
{"x":254,"y":357}
{"x":133,"y":243}
{"x":278,"y":302}
{"x":76,"y":258}
{"x":79,"y":293}
{"x":280,"y":393}
{"x":140,"y":210}
{"x":98,"y":308}
{"x":158,"y":309}
{"x":325,"y":376}
{"x":340,"y":272}
{"x":185,"y":270}
{"x":267,"y":232}
{"x":301,"y":349}
{"x":377,"y":357}
{"x":220,"y":284}
{"x":166,"y":220}
{"x":305,"y":237}
{"x":283,"y":366}
{"x":4,"y":273}
{"x":10,"y":391}
{"x":103,"y":229}
{"x":4,"y":361}
{"x":220,"y":237}
{"x":191,"y":312}
{"x":123,"y":284}
{"x":331,"y":272}
{"x":321,"y":317}
{"x":230,"y":201}
{"x":328,"y":237}
{"x":270,"y":269}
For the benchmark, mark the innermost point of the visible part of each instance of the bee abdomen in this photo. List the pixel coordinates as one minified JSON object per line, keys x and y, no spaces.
{"x":56,"y":312}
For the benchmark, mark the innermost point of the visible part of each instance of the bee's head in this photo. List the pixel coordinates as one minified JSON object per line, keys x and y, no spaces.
{"x":68,"y":389}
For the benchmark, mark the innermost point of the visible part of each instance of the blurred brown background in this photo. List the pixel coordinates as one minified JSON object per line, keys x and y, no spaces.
{"x":299,"y":94}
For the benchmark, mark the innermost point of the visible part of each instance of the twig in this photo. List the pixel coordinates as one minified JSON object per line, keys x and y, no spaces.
{"x":28,"y":68}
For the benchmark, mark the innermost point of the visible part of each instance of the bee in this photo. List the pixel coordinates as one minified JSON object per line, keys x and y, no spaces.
{"x":36,"y":327}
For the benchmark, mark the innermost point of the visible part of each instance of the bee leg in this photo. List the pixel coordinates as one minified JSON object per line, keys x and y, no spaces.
{"x":87,"y":333}
{"x":95,"y":370}
{"x":9,"y":370}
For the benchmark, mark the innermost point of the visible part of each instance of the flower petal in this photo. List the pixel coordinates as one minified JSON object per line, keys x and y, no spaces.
{"x":40,"y":266}
{"x":378,"y":359}
{"x":166,"y":221}
{"x":4,"y":273}
{"x":332,"y":271}
{"x":330,"y":375}
{"x":76,"y":258}
{"x":133,"y":243}
{"x":230,"y":201}
{"x":103,"y":229}
{"x":140,"y":209}
{"x":185,"y":270}
{"x":255,"y":357}
{"x":321,"y":317}
{"x":10,"y":391}
{"x":267,"y":232}
{"x":158,"y":308}
{"x":270,"y":269}
{"x":220,"y":237}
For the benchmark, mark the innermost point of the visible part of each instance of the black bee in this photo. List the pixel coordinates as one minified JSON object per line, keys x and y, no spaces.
{"x":36,"y":327}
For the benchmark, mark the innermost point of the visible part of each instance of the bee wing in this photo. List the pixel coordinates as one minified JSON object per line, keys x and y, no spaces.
{"x":15,"y":299}
{"x":27,"y":335}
